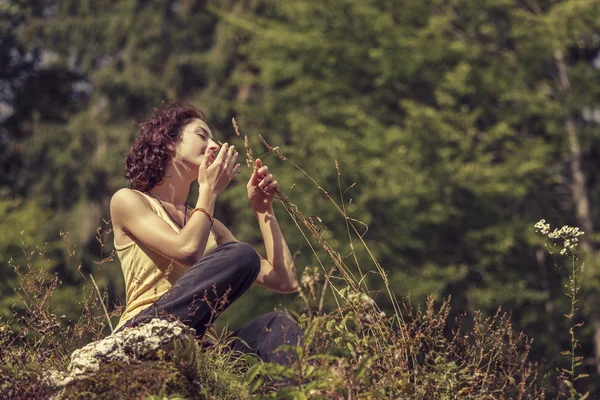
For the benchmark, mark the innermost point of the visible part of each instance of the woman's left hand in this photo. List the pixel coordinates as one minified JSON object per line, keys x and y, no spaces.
{"x":261,"y":188}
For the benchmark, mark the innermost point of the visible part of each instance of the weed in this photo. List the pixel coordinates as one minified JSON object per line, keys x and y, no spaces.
{"x":567,"y":239}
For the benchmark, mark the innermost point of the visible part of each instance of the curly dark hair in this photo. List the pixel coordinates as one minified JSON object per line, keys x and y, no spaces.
{"x":146,"y":163}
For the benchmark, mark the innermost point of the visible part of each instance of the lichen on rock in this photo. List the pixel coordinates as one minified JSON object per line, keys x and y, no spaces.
{"x":151,"y":341}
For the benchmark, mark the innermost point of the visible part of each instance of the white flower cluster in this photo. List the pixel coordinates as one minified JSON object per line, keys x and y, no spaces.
{"x":543,"y":227}
{"x":567,"y":233}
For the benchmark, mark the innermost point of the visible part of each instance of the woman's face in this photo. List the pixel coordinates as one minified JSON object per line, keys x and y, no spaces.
{"x":196,"y":139}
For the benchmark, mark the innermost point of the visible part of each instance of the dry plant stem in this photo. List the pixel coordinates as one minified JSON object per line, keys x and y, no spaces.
{"x":311,"y":227}
{"x":337,"y":260}
{"x":339,"y":173}
{"x":103,"y":306}
{"x":291,"y":208}
{"x":349,"y":221}
{"x":314,"y":252}
{"x":106,"y":314}
{"x":341,"y":267}
{"x":101,"y":235}
{"x":335,"y":257}
{"x":324,"y":291}
{"x":249,"y":155}
{"x":71,"y":251}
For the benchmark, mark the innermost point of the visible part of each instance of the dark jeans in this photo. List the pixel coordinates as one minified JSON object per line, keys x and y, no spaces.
{"x":209,"y":287}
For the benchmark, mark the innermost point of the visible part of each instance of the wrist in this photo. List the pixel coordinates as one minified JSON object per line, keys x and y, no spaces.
{"x":263,"y":210}
{"x":206,"y":199}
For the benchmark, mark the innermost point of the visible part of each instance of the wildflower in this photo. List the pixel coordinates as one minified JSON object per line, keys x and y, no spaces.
{"x":567,"y":233}
{"x":305,"y":280}
{"x":366,"y":300}
{"x":542,"y":227}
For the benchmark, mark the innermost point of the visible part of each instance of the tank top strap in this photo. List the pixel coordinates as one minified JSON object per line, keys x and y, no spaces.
{"x":149,"y":198}
{"x":158,"y":210}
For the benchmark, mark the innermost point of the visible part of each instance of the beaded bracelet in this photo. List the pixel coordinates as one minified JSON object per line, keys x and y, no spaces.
{"x":212,"y":219}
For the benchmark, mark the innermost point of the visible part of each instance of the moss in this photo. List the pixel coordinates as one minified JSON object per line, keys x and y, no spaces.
{"x":202,"y":377}
{"x":123,"y":381}
{"x":20,"y":383}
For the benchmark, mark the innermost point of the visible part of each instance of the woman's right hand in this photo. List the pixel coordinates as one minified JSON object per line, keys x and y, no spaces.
{"x":216,"y":175}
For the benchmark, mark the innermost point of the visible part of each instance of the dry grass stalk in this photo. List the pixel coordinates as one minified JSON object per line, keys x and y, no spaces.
{"x":315,"y":230}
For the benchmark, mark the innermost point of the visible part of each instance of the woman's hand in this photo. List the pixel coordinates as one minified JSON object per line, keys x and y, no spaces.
{"x":216,"y":175}
{"x":261,"y":188}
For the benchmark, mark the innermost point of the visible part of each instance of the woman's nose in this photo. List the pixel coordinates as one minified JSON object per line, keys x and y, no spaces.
{"x":213,"y":146}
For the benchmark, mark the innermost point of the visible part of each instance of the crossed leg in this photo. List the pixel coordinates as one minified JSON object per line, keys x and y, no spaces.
{"x":209,"y":287}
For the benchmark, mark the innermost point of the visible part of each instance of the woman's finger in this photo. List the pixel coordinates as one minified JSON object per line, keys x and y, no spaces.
{"x":231,"y":163}
{"x":204,"y":163}
{"x":228,"y":155}
{"x":273,"y":185}
{"x":263,"y":171}
{"x":231,"y":150}
{"x":266,"y":181}
{"x":221,"y":155}
{"x":253,"y":178}
{"x":233,"y":158}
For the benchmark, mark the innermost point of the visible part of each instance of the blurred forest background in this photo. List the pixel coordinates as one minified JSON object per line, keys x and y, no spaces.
{"x":462,"y":123}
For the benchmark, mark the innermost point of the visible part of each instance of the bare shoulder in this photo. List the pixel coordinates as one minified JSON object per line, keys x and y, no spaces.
{"x":126,"y":201}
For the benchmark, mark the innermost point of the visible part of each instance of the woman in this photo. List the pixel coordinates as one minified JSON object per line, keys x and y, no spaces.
{"x":183,"y":263}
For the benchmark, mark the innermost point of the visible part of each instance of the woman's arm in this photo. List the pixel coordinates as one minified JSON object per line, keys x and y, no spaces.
{"x":277,"y":271}
{"x":281,"y":271}
{"x":132,"y":214}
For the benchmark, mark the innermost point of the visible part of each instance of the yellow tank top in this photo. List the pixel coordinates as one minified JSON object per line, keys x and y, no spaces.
{"x":148,"y":274}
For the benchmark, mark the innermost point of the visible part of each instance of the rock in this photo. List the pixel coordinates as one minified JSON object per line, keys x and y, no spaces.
{"x":151,"y":341}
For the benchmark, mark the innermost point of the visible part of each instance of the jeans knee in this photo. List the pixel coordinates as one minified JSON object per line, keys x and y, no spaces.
{"x":291,"y":330}
{"x":280,"y":314}
{"x":246,"y":257}
{"x":284,"y":318}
